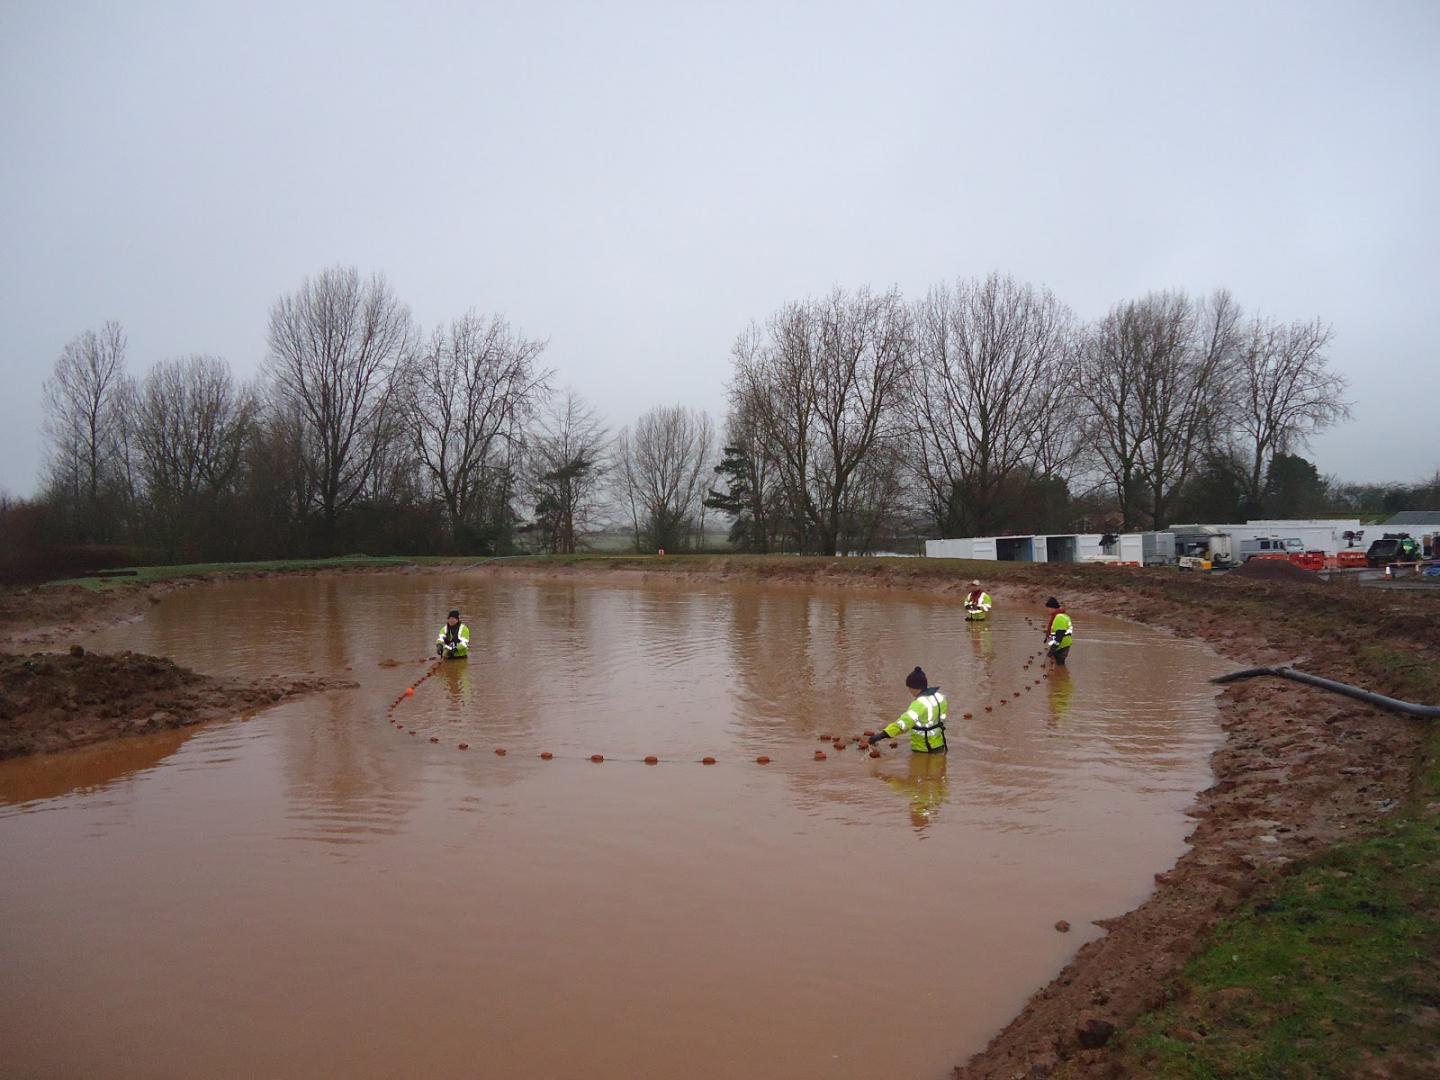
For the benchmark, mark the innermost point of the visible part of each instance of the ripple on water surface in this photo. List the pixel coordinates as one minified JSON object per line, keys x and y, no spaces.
{"x":426,"y":908}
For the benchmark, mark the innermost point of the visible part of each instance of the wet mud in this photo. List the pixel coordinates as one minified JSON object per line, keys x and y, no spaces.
{"x":51,"y":702}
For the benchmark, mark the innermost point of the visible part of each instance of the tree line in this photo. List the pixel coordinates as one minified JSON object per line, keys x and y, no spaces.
{"x":857,"y":421}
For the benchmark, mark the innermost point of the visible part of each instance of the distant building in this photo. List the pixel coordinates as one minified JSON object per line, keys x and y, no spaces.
{"x":1429,"y":520}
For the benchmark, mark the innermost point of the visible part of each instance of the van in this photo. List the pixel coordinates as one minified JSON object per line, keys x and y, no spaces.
{"x":1268,"y":545}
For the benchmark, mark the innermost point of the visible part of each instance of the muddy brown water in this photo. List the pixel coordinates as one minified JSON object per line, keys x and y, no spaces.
{"x":311,"y":891}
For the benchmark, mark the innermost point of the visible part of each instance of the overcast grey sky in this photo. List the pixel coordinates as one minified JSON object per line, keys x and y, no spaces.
{"x":638,"y":181}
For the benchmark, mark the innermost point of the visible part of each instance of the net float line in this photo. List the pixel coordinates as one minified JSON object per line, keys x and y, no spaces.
{"x":838,"y":742}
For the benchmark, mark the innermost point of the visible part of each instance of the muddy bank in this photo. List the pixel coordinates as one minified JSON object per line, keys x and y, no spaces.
{"x":58,"y":701}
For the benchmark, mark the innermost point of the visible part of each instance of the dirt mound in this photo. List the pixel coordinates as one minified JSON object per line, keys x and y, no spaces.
{"x":1274,"y":570}
{"x":53,"y":702}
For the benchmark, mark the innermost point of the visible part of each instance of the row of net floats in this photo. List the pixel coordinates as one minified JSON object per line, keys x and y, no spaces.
{"x":837,"y":742}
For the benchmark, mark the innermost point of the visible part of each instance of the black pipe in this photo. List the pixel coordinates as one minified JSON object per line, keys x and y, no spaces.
{"x":1431,"y":712}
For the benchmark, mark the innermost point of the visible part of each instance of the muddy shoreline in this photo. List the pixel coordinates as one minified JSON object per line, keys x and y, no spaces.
{"x":1298,"y":769}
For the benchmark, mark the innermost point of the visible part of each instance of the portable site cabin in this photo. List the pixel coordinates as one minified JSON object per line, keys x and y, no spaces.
{"x":1058,"y":547}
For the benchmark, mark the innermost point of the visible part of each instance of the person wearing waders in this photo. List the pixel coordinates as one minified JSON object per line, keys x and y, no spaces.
{"x":1058,"y":632}
{"x":977,"y":603}
{"x":454,"y":640}
{"x":924,"y":720}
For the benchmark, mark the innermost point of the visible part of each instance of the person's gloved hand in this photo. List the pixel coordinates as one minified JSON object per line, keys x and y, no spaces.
{"x":879,"y":736}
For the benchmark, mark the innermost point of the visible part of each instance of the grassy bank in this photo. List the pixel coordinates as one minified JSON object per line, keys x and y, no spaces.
{"x":1336,"y":972}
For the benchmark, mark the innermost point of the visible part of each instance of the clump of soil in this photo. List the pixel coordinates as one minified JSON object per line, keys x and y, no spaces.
{"x":54,"y":702}
{"x":1274,"y":570}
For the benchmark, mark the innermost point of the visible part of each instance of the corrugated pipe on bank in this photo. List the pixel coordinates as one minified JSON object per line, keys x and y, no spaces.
{"x":1429,"y":712}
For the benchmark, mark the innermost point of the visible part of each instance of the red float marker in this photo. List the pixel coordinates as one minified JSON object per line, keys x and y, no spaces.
{"x":499,"y":751}
{"x":868,"y":734}
{"x":409,"y":691}
{"x":988,"y":709}
{"x":762,"y":760}
{"x":874,"y":753}
{"x":546,"y":755}
{"x":819,"y":755}
{"x":707,"y":761}
{"x":893,"y":745}
{"x":434,"y":738}
{"x":652,"y":760}
{"x":969,"y":716}
{"x":464,"y":746}
{"x":597,"y":758}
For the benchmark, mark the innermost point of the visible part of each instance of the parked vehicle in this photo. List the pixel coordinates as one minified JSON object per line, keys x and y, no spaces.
{"x":1393,"y":548}
{"x":1267,"y":545}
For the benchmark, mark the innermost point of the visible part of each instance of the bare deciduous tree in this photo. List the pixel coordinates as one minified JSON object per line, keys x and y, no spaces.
{"x":1282,"y":391}
{"x":752,"y":495}
{"x":469,"y":394}
{"x":85,"y":420}
{"x":825,"y":379}
{"x":567,"y":471}
{"x":1150,"y":376}
{"x":191,"y":425}
{"x":989,"y":357}
{"x":335,"y":347}
{"x":664,"y":465}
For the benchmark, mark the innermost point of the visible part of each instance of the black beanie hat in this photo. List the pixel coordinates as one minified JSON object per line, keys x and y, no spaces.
{"x":1052,"y":602}
{"x":916,"y":680}
{"x":454,"y":614}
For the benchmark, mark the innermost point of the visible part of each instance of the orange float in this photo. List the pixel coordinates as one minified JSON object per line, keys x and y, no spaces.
{"x":874,"y":753}
{"x":464,"y":746}
{"x":597,"y":758}
{"x":762,"y":760}
{"x":707,"y":761}
{"x":819,"y":755}
{"x":546,"y":755}
{"x":652,"y":760}
{"x":409,"y":691}
{"x":499,"y":751}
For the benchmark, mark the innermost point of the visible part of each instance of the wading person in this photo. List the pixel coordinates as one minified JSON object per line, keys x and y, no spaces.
{"x":454,"y":640}
{"x":924,"y":720}
{"x":977,"y":602}
{"x":1058,"y":632}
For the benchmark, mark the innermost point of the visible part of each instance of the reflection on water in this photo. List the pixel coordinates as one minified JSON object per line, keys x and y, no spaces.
{"x":923,"y":785}
{"x":431,"y":911}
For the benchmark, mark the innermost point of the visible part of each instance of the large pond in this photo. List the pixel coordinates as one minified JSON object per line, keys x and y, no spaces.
{"x":314,"y":891}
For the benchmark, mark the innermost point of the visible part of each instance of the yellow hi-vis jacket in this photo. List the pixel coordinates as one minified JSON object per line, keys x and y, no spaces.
{"x":462,"y":639}
{"x":1062,"y":630}
{"x":978,"y":603}
{"x":925,"y":720}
